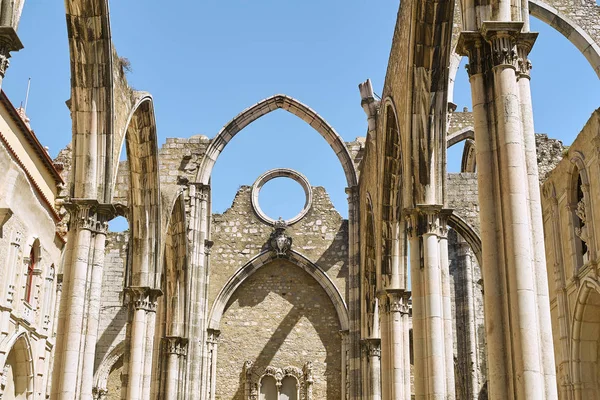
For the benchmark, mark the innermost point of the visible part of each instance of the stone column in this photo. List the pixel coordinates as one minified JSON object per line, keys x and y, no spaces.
{"x":74,"y":353}
{"x":466,"y":304}
{"x":142,"y":302}
{"x":175,"y":350}
{"x":197,"y":382}
{"x":516,"y":363}
{"x":373,"y":352}
{"x":212,"y":342}
{"x":405,"y":312}
{"x":429,"y":326}
{"x":93,"y":306}
{"x":447,"y":306}
{"x":535,"y":210}
{"x":397,"y":307}
{"x":354,"y":301}
{"x":416,"y":273}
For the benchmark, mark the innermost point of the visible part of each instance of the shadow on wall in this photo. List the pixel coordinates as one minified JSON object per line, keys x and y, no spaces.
{"x":281,"y":315}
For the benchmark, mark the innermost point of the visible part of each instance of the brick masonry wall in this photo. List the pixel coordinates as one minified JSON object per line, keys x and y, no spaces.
{"x":279,"y":317}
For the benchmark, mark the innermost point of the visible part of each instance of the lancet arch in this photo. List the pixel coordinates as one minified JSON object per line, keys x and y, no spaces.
{"x":585,"y":328}
{"x":264,"y":258}
{"x":264,"y":107}
{"x":19,"y":369}
{"x":175,"y":265}
{"x":468,"y":233}
{"x":143,"y":197}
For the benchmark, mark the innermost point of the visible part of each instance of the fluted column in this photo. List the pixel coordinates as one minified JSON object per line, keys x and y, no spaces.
{"x":175,"y":350}
{"x":515,"y":337}
{"x":429,"y":327}
{"x":372,"y":349}
{"x":197,"y":381}
{"x":77,"y":328}
{"x":142,"y":303}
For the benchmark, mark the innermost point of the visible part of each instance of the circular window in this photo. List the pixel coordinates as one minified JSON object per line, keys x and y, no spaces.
{"x":281,"y":173}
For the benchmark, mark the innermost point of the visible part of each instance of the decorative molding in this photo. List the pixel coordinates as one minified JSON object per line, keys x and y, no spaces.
{"x":90,"y":214}
{"x":281,"y":173}
{"x":253,"y":376}
{"x":372,"y":347}
{"x":143,"y":298}
{"x":175,"y":345}
{"x":279,"y":241}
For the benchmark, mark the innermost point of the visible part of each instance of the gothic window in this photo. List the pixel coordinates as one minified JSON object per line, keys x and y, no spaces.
{"x":289,"y":388}
{"x":271,"y":383}
{"x":29,"y":278}
{"x":390,"y":195}
{"x":268,"y":388}
{"x":580,"y":220}
{"x":370,"y":277}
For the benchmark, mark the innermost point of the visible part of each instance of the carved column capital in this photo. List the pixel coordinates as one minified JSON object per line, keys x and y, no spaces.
{"x":395,"y":301}
{"x":143,"y":298}
{"x":372,"y":347}
{"x":90,"y":214}
{"x":353,"y":194}
{"x":200,"y":191}
{"x":472,"y":45}
{"x":213,"y":336}
{"x":175,"y":345}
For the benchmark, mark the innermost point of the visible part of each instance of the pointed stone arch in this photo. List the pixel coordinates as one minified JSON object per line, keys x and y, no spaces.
{"x":143,"y":197}
{"x":569,"y":29}
{"x":175,"y":258}
{"x":584,"y":351}
{"x":468,"y":233}
{"x":18,"y":365}
{"x":218,"y":307}
{"x":264,"y":107}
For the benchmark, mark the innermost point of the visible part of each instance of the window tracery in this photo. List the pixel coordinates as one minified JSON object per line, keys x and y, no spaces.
{"x":272,"y":383}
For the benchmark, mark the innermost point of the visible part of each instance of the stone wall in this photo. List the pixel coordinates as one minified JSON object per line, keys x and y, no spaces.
{"x":239,"y":235}
{"x":279,"y":317}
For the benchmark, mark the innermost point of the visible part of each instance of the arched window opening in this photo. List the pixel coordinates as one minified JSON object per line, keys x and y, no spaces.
{"x":268,"y":388}
{"x":579,"y":222}
{"x":390,"y":196}
{"x":289,"y":388}
{"x":370,"y":278}
{"x":30,"y":272}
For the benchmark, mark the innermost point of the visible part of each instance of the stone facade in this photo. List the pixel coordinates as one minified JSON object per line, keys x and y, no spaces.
{"x":435,"y":286}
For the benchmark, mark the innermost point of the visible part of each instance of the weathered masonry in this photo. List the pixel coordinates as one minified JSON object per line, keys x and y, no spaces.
{"x":473,"y":285}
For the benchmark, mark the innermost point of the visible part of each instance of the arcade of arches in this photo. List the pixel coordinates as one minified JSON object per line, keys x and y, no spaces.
{"x":475,"y":285}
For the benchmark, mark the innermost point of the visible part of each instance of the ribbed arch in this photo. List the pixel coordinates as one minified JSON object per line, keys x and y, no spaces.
{"x":264,"y":258}
{"x":264,"y":107}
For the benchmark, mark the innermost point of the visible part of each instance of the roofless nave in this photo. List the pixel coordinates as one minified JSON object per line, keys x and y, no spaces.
{"x":503,"y":299}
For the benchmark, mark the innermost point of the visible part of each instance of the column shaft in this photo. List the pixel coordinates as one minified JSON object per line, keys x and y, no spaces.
{"x":537,"y":233}
{"x":420,"y":366}
{"x":93,"y":310}
{"x":447,"y":312}
{"x":433,"y":319}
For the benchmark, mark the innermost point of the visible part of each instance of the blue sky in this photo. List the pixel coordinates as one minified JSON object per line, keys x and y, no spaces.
{"x":205,"y":61}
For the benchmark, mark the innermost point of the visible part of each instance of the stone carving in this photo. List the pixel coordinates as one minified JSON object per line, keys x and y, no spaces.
{"x":280,"y":242}
{"x":253,"y":378}
{"x":3,"y":376}
{"x":582,"y":231}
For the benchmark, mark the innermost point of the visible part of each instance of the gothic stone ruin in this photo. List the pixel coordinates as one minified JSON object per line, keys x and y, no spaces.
{"x":482,"y":284}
